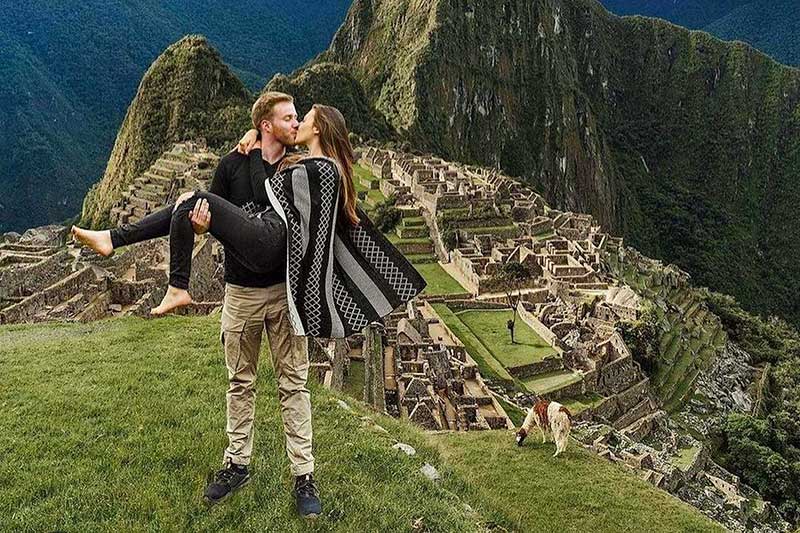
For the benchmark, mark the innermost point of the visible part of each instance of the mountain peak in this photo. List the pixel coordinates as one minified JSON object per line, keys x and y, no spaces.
{"x":187,"y":93}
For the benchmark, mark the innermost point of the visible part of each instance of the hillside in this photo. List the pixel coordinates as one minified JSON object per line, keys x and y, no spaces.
{"x":187,"y":93}
{"x":770,"y":26}
{"x":684,"y":144}
{"x":104,"y":395}
{"x":72,"y":69}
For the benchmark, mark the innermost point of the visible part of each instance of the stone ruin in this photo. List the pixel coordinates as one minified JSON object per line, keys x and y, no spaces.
{"x":427,"y":375}
{"x":575,"y":299}
{"x":570,"y":300}
{"x":695,"y":478}
{"x":44,"y":278}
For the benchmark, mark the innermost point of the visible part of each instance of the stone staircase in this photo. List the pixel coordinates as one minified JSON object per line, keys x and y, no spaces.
{"x":187,"y":166}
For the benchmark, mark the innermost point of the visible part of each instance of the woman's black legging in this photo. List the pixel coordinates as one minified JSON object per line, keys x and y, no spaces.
{"x":258,"y":242}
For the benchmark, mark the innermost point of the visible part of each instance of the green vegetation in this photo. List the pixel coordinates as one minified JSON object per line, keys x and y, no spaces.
{"x":374,"y":196}
{"x":439,"y":281}
{"x":138,"y":407}
{"x":354,"y":382}
{"x":511,"y":278}
{"x":673,"y":346}
{"x":386,"y":216}
{"x":488,"y":366}
{"x":72,"y":70}
{"x":654,"y":167}
{"x":490,"y":328}
{"x":332,"y":84}
{"x":537,"y":492}
{"x":551,"y":381}
{"x":765,"y":450}
{"x":740,"y":20}
{"x":516,"y":415}
{"x":581,"y":403}
{"x":643,"y":337}
{"x":173,"y":103}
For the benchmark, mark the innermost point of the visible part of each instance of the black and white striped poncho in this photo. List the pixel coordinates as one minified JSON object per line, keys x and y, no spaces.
{"x":338,"y":279}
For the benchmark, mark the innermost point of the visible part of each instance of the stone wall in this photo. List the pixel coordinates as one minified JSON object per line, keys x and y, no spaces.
{"x":536,"y":325}
{"x":616,"y":376}
{"x":206,"y":283}
{"x":27,"y":279}
{"x":549,"y":364}
{"x":53,"y":295}
{"x":570,"y":391}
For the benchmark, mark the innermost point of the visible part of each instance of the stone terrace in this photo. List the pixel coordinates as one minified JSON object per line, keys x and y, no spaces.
{"x":42,"y":278}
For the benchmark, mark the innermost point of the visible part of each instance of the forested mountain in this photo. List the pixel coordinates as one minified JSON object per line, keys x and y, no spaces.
{"x":772,"y":26}
{"x":687,"y":145}
{"x":70,"y":70}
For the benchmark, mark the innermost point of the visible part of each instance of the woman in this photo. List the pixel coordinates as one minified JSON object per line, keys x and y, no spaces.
{"x":341,"y":272}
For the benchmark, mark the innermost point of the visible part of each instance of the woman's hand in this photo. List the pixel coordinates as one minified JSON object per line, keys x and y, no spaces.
{"x":248,"y":142}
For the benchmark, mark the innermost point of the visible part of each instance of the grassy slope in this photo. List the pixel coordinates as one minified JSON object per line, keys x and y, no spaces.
{"x":439,"y":281}
{"x":487,"y":364}
{"x":490,"y":326}
{"x":117,"y":422}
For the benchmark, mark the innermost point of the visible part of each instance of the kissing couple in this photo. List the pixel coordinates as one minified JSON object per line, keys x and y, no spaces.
{"x":301,"y":260}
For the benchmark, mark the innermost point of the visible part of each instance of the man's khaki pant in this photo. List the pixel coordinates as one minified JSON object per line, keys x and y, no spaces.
{"x":245,"y":313}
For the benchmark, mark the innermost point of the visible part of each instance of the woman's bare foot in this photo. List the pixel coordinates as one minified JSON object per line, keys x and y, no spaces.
{"x":99,"y":241}
{"x":172,"y":300}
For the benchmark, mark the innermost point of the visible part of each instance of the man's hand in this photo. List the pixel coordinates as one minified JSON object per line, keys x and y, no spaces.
{"x":247,"y":142}
{"x":200,"y":217}
{"x":182,"y":198}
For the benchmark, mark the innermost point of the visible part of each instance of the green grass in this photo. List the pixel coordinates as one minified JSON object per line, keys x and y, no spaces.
{"x":685,"y":456}
{"x":517,"y":416}
{"x":113,"y":426}
{"x":551,"y":381}
{"x":413,"y":221}
{"x":490,"y":327}
{"x":573,"y":492}
{"x":581,"y":403}
{"x":395,"y":239}
{"x":487,"y":364}
{"x":421,"y":258}
{"x":374,"y":195}
{"x":362,"y":172}
{"x":354,"y":382}
{"x":439,"y":281}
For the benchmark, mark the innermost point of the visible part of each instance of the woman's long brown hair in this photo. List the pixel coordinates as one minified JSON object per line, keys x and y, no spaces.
{"x":334,"y":140}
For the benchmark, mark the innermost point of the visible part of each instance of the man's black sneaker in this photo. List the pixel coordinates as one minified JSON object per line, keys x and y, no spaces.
{"x":308,"y":504}
{"x":225,"y":482}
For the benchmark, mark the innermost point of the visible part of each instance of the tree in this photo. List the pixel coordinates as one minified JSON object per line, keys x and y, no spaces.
{"x":386,"y":216}
{"x":642,"y":337}
{"x":512,"y":277}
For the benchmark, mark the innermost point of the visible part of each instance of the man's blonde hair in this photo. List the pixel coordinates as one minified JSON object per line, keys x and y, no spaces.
{"x":262,"y":109}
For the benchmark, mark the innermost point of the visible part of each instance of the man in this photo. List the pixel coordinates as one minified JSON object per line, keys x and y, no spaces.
{"x":253,"y":301}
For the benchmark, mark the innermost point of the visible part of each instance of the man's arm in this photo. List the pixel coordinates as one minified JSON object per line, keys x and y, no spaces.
{"x":201,"y":214}
{"x":219,"y":184}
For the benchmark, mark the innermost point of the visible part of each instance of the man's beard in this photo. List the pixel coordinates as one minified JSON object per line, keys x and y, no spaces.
{"x":286,"y":139}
